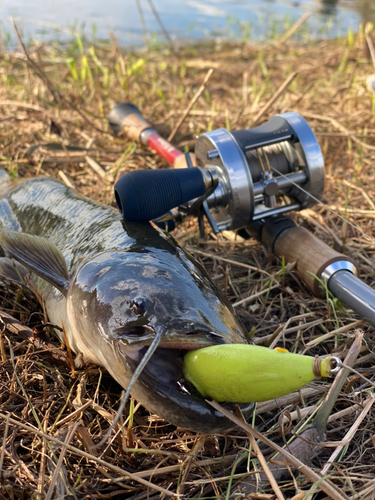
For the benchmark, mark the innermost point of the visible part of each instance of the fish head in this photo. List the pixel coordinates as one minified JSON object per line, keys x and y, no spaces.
{"x":131,"y":294}
{"x":120,"y":300}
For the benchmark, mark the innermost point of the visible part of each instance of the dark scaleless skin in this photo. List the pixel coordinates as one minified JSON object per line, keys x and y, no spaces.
{"x":126,"y":281}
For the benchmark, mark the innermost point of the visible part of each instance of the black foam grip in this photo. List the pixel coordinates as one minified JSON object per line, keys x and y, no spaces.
{"x":144,"y":195}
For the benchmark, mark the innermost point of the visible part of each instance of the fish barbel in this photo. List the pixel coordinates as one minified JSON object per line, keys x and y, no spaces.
{"x":115,"y":285}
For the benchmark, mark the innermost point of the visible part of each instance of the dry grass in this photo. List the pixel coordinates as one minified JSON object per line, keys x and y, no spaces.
{"x":53,"y":121}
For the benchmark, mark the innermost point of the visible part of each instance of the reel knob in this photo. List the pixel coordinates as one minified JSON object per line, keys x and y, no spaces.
{"x":144,"y":195}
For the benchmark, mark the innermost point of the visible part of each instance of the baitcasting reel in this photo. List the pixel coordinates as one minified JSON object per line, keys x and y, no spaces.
{"x":260,"y":170}
{"x":242,"y":176}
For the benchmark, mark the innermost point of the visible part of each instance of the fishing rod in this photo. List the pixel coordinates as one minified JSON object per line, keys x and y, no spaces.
{"x":127,"y":118}
{"x":246,"y":180}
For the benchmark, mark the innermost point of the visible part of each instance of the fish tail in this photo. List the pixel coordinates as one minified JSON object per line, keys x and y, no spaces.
{"x":4,"y":175}
{"x":5,"y":181}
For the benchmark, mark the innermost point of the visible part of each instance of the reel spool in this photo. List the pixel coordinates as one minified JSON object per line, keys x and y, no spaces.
{"x":243,"y":176}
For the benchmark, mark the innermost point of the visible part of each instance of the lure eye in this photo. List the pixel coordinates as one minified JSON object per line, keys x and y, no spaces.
{"x":138,"y":306}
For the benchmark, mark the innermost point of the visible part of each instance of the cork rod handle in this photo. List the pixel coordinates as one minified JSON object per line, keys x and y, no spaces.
{"x":311,"y":255}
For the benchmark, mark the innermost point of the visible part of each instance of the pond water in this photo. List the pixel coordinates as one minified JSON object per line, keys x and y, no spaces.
{"x":187,"y":19}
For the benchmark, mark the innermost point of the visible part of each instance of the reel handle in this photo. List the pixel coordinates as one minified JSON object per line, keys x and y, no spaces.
{"x":144,"y":195}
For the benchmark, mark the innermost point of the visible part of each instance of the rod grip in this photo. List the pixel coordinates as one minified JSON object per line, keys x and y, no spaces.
{"x":144,"y":195}
{"x":126,"y":117}
{"x":311,"y":255}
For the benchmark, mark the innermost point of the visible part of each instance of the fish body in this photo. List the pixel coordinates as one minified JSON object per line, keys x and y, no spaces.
{"x":114,"y":285}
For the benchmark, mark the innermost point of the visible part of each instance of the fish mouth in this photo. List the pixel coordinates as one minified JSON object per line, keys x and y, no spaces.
{"x":162,"y":388}
{"x":165,"y":365}
{"x":165,"y":368}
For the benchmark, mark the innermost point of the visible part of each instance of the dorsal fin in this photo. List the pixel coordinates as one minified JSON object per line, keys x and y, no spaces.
{"x":39,"y":255}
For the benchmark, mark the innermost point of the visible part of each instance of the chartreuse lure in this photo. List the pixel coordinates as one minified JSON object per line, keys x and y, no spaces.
{"x":242,"y":373}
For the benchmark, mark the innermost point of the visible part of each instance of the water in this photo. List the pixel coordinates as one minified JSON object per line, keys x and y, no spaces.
{"x":256,"y":19}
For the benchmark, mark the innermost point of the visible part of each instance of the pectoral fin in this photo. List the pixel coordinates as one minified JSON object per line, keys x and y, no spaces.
{"x":39,"y":255}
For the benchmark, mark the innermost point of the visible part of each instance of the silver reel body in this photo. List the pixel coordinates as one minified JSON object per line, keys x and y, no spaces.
{"x":261,"y":171}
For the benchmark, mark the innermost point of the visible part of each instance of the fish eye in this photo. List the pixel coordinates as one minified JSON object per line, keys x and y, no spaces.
{"x":138,"y":306}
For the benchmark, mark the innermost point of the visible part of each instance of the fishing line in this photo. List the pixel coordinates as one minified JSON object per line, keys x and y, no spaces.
{"x":325,"y":206}
{"x":150,"y":351}
{"x":343,"y":365}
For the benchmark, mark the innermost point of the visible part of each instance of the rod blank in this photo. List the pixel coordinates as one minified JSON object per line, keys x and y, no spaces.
{"x":354,"y":293}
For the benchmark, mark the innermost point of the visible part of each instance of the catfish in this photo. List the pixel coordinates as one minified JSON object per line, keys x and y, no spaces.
{"x":116,"y":287}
